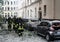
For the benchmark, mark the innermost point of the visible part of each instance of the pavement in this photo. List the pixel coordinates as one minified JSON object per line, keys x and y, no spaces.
{"x":13,"y":37}
{"x":6,"y":36}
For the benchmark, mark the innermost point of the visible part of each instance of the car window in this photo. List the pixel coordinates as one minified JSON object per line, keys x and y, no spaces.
{"x":44,"y":24}
{"x":56,"y":24}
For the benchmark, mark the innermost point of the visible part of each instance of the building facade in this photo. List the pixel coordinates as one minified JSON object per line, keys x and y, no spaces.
{"x":37,"y":9}
{"x":0,"y":7}
{"x":50,"y":9}
{"x":29,"y":9}
{"x":9,"y":8}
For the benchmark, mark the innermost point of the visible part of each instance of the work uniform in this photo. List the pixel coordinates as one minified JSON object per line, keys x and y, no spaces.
{"x":9,"y":24}
{"x":14,"y":23}
{"x":16,"y":28}
{"x":20,"y":30}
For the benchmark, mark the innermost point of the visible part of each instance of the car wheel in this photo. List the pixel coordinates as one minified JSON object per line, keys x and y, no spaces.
{"x":47,"y":37}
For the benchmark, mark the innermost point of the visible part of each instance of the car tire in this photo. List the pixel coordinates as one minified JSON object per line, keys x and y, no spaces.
{"x":48,"y":38}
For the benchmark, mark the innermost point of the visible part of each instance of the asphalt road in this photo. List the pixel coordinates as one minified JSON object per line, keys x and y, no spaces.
{"x":6,"y":36}
{"x":13,"y":37}
{"x":27,"y":37}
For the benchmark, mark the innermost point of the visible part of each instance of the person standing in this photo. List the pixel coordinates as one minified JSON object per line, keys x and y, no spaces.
{"x":14,"y":22}
{"x":20,"y":27}
{"x":16,"y":25}
{"x":9,"y":23}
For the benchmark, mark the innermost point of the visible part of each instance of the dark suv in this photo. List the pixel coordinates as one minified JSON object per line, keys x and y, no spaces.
{"x":49,"y":29}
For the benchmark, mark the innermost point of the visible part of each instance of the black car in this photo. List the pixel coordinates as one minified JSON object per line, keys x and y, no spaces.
{"x":49,"y":29}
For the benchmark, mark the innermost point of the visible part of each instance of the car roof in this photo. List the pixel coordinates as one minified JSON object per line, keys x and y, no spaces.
{"x":50,"y":21}
{"x":54,"y":21}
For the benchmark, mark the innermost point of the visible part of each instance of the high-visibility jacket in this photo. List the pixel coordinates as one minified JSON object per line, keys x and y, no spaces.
{"x":16,"y":25}
{"x":20,"y":28}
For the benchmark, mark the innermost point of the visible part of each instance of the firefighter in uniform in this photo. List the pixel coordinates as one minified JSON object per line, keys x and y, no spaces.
{"x":9,"y":23}
{"x":16,"y":25}
{"x":20,"y":30}
{"x":14,"y":22}
{"x":20,"y":27}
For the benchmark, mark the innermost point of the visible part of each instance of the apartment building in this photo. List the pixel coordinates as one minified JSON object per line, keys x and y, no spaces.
{"x":36,"y":9}
{"x":29,"y":9}
{"x":0,"y":6}
{"x":50,"y":9}
{"x":9,"y":8}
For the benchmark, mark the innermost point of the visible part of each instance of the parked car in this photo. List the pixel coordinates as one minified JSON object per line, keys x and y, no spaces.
{"x":31,"y":25}
{"x":49,"y":29}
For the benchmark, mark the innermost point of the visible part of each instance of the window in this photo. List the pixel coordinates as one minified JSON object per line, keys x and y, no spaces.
{"x":5,"y":2}
{"x":2,"y":8}
{"x":14,"y":2}
{"x":2,"y":2}
{"x":11,"y":2}
{"x":28,"y":12}
{"x":5,"y":15}
{"x":8,"y":2}
{"x":28,"y":1}
{"x":44,"y":10}
{"x":39,"y":8}
{"x":11,"y":8}
{"x":31,"y":13}
{"x":8,"y":14}
{"x":14,"y":8}
{"x":56,"y":24}
{"x":35,"y":12}
{"x":11,"y":15}
{"x":8,"y":9}
{"x":43,"y":24}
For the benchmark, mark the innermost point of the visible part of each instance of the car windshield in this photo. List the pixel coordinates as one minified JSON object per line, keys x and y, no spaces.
{"x":57,"y":24}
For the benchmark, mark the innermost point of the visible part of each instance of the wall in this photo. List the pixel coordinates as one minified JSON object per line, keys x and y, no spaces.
{"x":49,"y":8}
{"x":13,"y":8}
{"x":57,"y":9}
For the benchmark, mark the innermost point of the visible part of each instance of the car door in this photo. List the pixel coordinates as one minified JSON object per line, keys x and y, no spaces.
{"x":39,"y":28}
{"x":45,"y":28}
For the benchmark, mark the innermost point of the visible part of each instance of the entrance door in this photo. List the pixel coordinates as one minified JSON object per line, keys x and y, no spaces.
{"x":40,"y":15}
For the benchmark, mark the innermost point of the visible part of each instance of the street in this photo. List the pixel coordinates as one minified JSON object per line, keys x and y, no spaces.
{"x":28,"y":36}
{"x":29,"y":20}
